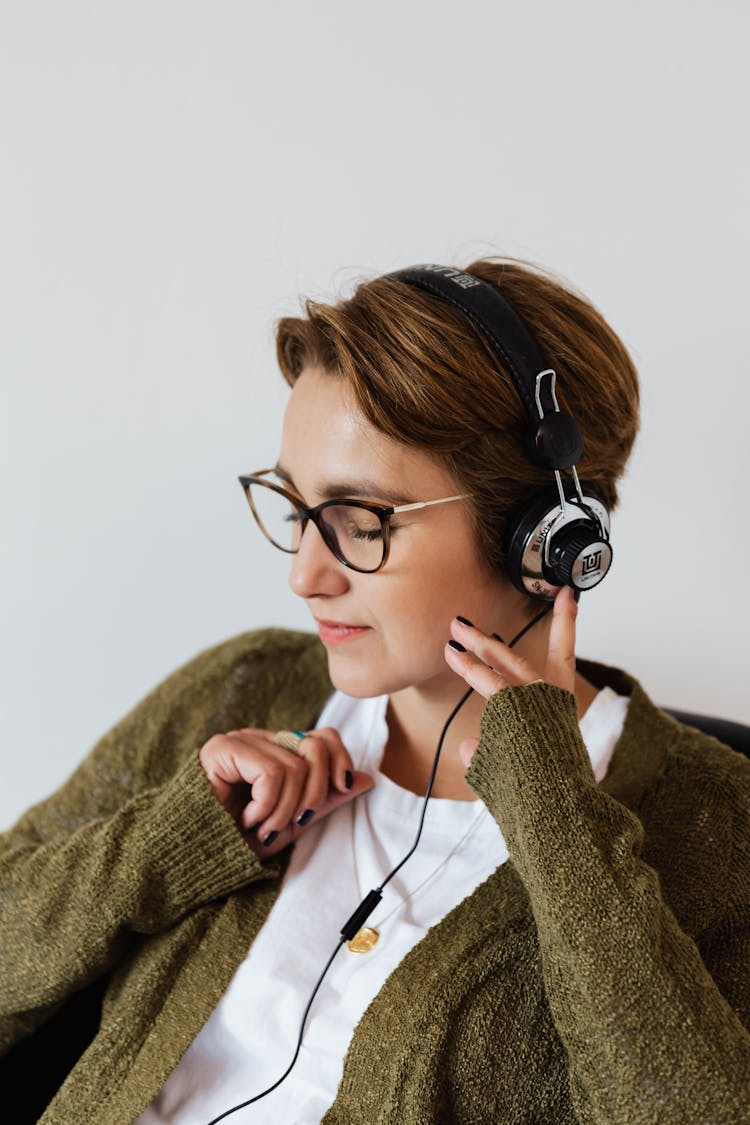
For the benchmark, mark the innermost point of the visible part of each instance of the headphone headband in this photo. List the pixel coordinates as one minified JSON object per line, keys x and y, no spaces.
{"x":555,"y":540}
{"x":554,"y":438}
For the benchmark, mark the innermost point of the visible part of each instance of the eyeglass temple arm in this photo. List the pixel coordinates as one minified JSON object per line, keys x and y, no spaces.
{"x":427,"y":503}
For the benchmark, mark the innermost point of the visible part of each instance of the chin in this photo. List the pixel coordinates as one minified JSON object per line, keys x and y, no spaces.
{"x":360,"y":680}
{"x":367,"y":678}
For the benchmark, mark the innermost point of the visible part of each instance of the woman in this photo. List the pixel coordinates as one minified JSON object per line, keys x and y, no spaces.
{"x":570,"y":939}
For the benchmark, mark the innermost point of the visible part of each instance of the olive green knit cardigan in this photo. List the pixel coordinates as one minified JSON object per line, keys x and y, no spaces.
{"x":601,"y":975}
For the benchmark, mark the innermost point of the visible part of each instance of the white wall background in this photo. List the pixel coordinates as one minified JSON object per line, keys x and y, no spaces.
{"x":175,"y":174}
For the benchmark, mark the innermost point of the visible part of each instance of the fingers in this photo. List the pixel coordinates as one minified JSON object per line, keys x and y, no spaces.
{"x":277,"y":789}
{"x":249,"y":773}
{"x":270,"y":790}
{"x":361,"y":782}
{"x":320,"y":761}
{"x":486,"y":664}
{"x":341,"y":764}
{"x":485,"y":681}
{"x":560,"y":666}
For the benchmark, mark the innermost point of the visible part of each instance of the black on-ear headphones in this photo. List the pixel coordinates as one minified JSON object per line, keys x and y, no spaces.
{"x":559,"y":538}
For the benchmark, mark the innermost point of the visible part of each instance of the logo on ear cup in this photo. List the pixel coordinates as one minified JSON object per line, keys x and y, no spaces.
{"x":591,"y":563}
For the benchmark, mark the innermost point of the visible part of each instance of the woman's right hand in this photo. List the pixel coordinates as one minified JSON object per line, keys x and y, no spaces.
{"x":274,"y":794}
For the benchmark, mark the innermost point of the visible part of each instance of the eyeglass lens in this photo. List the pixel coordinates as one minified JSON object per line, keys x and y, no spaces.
{"x":352,"y":531}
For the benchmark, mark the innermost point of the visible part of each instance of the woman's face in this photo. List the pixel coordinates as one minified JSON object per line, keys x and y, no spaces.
{"x":433,"y":571}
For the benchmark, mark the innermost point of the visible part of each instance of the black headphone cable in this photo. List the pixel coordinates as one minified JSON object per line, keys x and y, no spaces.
{"x":371,"y":900}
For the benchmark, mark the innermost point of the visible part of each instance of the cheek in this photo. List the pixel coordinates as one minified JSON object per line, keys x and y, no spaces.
{"x":416,"y":618}
{"x":417,"y":595}
{"x":421,"y":632}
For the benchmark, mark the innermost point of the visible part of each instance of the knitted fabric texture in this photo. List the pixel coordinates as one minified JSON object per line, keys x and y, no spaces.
{"x":601,"y":975}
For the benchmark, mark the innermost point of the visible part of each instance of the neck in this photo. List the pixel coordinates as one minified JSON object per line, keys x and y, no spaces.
{"x":415,"y":719}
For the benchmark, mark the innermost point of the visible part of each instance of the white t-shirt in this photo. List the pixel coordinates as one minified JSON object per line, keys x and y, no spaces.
{"x":249,"y":1040}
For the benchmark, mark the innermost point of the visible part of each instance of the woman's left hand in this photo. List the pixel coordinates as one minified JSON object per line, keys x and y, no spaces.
{"x":488,"y":665}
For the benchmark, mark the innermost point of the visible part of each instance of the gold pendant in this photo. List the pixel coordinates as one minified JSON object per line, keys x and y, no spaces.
{"x":364,"y":940}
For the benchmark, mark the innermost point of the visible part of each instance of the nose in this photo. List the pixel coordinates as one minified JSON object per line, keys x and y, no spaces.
{"x":314,"y":569}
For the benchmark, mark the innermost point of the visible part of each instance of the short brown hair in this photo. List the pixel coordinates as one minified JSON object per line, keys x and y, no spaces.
{"x":423,"y":375}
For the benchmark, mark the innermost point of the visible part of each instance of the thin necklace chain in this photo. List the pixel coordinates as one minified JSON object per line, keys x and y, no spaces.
{"x":479,"y":815}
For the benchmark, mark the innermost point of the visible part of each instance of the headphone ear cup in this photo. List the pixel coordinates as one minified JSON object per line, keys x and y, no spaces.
{"x":577,"y":553}
{"x":540,"y":507}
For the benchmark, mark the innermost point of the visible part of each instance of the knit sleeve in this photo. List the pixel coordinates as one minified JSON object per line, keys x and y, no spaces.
{"x":649,"y":1034}
{"x":129,"y":844}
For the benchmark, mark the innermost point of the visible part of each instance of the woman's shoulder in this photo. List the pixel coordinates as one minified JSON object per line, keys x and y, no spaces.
{"x":254,"y":649}
{"x":243,"y":681}
{"x":696,"y":816}
{"x":243,"y":675}
{"x":691,"y":793}
{"x":702,"y":762}
{"x":680,"y":780}
{"x":701,"y":794}
{"x":675,"y":746}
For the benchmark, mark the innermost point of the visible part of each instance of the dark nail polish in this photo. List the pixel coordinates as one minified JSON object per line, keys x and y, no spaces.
{"x":270,"y":839}
{"x":464,"y":621}
{"x":305,"y":817}
{"x":349,"y":779}
{"x":456,"y":646}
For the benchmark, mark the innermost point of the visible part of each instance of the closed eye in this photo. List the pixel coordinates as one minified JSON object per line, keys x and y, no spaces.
{"x":369,"y":535}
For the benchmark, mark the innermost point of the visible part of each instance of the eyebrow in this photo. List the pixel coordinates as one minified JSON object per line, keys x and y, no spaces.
{"x":351,"y":490}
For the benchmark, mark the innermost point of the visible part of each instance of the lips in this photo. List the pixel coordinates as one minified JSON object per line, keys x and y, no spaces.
{"x":334,"y":632}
